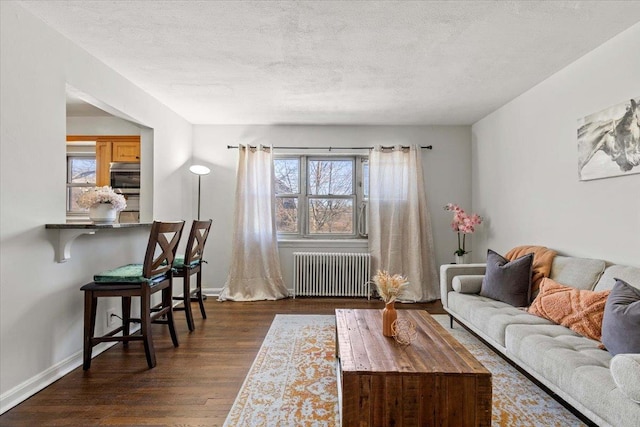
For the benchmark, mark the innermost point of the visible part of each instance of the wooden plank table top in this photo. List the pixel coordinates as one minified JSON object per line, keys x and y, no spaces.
{"x":433,"y":381}
{"x":363,"y":348}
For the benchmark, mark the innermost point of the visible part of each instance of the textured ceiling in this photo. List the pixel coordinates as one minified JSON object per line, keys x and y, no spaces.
{"x":338,"y":62}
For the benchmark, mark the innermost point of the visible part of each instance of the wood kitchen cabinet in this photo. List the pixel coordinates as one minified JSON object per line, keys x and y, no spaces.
{"x":111,"y":148}
{"x":103,"y":158}
{"x":115,"y":149}
{"x":125,"y":151}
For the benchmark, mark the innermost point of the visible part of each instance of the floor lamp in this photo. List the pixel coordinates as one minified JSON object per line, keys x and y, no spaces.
{"x":199,"y":170}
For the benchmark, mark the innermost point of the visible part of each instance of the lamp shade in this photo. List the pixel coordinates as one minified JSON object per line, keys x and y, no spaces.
{"x":199,"y":170}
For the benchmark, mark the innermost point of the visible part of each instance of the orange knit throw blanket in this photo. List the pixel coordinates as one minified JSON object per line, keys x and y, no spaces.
{"x":579,"y":310}
{"x":542,"y":260}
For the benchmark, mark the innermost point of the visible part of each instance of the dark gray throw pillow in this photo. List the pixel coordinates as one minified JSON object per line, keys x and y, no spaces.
{"x":508,"y":281}
{"x":621,"y":321}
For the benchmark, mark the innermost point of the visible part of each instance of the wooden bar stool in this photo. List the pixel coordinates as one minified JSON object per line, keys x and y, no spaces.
{"x":191,"y":264}
{"x":136,"y":280}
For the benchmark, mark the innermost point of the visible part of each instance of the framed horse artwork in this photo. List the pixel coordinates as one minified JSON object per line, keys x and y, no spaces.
{"x":609,"y":142}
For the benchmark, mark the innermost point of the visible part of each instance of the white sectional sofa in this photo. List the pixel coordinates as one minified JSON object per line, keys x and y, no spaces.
{"x":567,"y":364}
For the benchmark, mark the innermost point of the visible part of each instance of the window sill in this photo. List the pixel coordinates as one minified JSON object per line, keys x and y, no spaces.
{"x":323,"y":243}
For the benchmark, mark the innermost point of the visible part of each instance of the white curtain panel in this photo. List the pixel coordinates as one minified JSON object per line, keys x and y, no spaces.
{"x":400,"y":237}
{"x":255,"y":272}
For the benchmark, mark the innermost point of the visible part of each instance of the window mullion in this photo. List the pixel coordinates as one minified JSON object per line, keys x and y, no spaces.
{"x":304,"y":198}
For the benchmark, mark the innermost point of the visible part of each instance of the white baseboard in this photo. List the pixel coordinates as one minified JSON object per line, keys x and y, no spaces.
{"x":212,"y":292}
{"x":23,"y":391}
{"x":215,"y":292}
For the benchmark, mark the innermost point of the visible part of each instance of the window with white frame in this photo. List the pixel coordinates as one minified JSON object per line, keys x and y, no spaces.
{"x":320,"y":196}
{"x":81,"y":174}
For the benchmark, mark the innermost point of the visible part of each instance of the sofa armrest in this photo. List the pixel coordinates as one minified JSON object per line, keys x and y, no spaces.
{"x":449,"y":271}
{"x":625,"y":370}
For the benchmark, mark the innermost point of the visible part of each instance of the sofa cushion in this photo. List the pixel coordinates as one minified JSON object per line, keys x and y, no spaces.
{"x":621,"y":323}
{"x":593,"y":387}
{"x":631,"y":275}
{"x":581,"y":273}
{"x":508,"y":281}
{"x":577,"y":309}
{"x":625,"y":370}
{"x":575,"y":366}
{"x":553,"y":351}
{"x":489,"y":316}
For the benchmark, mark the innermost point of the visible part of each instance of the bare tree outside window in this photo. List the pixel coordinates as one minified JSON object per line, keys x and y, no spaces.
{"x":287,"y":172}
{"x":330,"y":216}
{"x":82,"y":170}
{"x":330,"y":178}
{"x":287,"y":183}
{"x":316,"y":196}
{"x":81,"y":173}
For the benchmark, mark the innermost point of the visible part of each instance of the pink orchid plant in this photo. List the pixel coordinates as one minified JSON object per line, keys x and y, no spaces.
{"x":462,"y":224}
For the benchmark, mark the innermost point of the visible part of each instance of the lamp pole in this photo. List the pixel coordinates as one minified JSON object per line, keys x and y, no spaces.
{"x":199,"y":170}
{"x":199,"y":181}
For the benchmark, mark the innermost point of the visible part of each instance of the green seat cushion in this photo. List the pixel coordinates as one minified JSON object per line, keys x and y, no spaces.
{"x":179,"y":262}
{"x":130,"y":273}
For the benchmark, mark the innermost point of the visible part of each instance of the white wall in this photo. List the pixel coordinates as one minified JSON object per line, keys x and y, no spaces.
{"x":41,"y":305}
{"x":525,"y":179}
{"x":78,"y":125}
{"x":447,"y":170}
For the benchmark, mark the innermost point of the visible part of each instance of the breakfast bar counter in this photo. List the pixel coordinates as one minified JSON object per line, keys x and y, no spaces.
{"x":68,"y":232}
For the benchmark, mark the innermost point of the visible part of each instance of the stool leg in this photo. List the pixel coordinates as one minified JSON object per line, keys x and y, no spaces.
{"x":90,"y":303}
{"x":186,"y":294}
{"x":167,"y":302}
{"x":145,"y":326}
{"x":199,"y":292}
{"x":126,"y":316}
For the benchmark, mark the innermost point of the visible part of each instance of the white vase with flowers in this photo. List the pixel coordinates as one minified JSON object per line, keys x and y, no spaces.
{"x":103,"y":204}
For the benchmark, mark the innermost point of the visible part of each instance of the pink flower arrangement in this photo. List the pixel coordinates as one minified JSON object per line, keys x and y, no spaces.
{"x":462,"y":224}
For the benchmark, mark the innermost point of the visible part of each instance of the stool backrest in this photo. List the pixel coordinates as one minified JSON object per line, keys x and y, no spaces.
{"x":197,"y":239}
{"x":163,"y":240}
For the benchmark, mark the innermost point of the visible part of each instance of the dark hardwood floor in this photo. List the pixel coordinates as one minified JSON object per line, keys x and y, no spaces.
{"x":192,"y":385}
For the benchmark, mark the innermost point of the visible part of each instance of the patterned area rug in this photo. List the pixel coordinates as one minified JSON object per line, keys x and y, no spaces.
{"x":293,"y":381}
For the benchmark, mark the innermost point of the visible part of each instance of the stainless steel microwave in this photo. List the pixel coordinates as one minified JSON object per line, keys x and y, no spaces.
{"x":125,"y":176}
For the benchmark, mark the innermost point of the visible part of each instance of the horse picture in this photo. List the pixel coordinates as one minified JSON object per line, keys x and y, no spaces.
{"x":609,"y":142}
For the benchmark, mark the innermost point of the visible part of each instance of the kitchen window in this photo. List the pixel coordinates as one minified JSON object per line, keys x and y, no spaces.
{"x":320,"y":197}
{"x":81,"y":174}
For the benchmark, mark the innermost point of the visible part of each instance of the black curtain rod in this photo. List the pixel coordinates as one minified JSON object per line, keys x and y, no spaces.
{"x":425,"y":147}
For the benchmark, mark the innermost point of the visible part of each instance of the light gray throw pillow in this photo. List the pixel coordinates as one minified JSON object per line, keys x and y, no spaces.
{"x":470,"y":284}
{"x":508,"y":281}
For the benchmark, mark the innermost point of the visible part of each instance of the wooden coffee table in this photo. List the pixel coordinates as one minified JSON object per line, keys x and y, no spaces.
{"x":434,"y":381}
